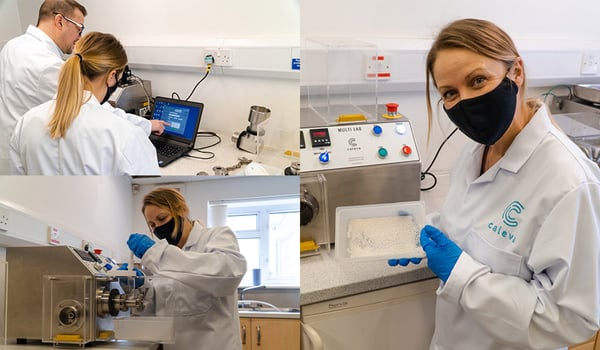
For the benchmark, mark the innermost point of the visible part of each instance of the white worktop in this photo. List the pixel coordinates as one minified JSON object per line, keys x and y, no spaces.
{"x":323,"y":277}
{"x":274,"y":161}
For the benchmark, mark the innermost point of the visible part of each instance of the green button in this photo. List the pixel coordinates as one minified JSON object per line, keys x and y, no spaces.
{"x":382,"y":152}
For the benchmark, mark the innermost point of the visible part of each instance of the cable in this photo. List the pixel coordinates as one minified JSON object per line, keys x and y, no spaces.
{"x":211,"y":155}
{"x":141,"y":82}
{"x":426,"y":172}
{"x":208,"y":60}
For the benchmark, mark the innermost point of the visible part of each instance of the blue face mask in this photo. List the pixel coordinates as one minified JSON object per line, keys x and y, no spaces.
{"x":485,"y":118}
{"x":166,"y":231}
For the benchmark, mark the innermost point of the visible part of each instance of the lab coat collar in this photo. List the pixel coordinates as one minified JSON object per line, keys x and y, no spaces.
{"x":194,"y":236}
{"x":521,"y":148}
{"x":43,"y":37}
{"x":88,"y":97}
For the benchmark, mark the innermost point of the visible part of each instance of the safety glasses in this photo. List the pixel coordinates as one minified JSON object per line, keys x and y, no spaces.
{"x":78,"y":25}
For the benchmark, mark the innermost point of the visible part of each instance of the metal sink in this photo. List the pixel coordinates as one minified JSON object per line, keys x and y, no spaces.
{"x":257,"y":308}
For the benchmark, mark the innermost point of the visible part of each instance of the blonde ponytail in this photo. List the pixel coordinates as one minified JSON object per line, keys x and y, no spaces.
{"x":96,"y":55}
{"x":69,"y":98}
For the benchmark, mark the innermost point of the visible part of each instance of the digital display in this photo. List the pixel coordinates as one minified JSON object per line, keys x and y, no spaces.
{"x":320,"y":137}
{"x":182,"y":118}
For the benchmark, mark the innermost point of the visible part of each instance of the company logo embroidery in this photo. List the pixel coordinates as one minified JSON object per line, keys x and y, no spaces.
{"x":507,"y":217}
{"x":509,"y":220}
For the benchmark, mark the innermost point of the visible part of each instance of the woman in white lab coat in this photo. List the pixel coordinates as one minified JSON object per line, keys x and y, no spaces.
{"x":516,"y":244}
{"x":201,"y":269}
{"x":73,"y":134}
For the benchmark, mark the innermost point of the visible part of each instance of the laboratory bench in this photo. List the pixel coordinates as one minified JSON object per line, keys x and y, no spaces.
{"x":226,"y":155}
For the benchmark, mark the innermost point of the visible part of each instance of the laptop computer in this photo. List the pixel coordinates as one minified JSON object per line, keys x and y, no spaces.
{"x":179,"y":137}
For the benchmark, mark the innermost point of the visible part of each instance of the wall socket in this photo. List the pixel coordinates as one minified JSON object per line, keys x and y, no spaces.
{"x":4,"y":218}
{"x":223,"y":57}
{"x":590,"y":62}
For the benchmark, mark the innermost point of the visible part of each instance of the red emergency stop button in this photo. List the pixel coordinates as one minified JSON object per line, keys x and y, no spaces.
{"x":406,"y":150}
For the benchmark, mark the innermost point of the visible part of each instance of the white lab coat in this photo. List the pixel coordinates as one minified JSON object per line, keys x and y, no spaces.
{"x":97,"y":143}
{"x":200,"y":288}
{"x":535,"y":284}
{"x":29,"y":69}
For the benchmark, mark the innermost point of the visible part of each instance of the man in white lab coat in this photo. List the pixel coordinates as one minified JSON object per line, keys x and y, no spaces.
{"x":30,"y":63}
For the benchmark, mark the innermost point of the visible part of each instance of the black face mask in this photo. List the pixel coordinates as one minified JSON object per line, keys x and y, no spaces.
{"x":166,"y":230}
{"x":110,"y":91}
{"x":485,"y":118}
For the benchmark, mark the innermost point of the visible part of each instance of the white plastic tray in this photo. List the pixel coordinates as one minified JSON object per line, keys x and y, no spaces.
{"x":343,"y":215}
{"x":145,"y":328}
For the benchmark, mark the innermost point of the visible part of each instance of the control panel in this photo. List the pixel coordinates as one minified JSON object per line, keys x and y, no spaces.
{"x":353,"y":145}
{"x":95,"y":263}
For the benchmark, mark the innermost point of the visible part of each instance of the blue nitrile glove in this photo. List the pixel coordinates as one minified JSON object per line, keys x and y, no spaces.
{"x":138,"y":281}
{"x":442,"y":253}
{"x":139,"y":243}
{"x":404,"y":261}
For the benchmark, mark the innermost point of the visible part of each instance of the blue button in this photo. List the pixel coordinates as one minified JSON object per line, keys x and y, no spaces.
{"x":324,"y":157}
{"x":108,"y":267}
{"x":377,"y":130}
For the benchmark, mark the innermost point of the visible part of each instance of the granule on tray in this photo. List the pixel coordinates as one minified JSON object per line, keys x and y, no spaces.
{"x":396,"y":236}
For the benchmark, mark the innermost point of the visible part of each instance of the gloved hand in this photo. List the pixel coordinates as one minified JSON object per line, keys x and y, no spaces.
{"x":138,"y":281}
{"x":442,"y":253}
{"x":404,"y":261}
{"x":139,"y":243}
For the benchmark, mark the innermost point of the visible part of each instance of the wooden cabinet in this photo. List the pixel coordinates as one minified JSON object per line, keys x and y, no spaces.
{"x":270,"y":333}
{"x":592,"y":344}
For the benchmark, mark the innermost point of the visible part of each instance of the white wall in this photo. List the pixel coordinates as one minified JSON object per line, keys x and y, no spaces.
{"x":199,"y":192}
{"x":10,"y":25}
{"x":551,"y":36}
{"x":96,"y":209}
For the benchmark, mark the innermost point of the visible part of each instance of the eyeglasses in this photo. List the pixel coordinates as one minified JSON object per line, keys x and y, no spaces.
{"x":78,"y":25}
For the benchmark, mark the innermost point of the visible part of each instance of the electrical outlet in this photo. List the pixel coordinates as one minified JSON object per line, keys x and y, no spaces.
{"x":590,"y":62}
{"x":223,"y":57}
{"x":377,"y":67}
{"x":4,"y":218}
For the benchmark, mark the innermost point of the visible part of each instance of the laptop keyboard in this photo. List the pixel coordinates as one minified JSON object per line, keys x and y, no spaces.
{"x":166,"y":149}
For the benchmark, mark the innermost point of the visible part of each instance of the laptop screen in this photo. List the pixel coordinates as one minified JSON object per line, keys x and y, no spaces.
{"x":183,"y":117}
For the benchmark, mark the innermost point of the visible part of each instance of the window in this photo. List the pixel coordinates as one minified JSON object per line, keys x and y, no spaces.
{"x":268,"y":232}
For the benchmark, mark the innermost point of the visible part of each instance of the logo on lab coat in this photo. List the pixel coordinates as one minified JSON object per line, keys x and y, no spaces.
{"x":514,"y":207}
{"x":509,"y":220}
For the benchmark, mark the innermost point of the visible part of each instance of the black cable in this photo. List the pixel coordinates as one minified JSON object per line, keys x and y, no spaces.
{"x":198,"y":83}
{"x":201,"y":149}
{"x":209,"y":60}
{"x":426,"y":172}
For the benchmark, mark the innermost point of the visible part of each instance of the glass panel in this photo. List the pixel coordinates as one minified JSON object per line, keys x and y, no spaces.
{"x":242,"y":222}
{"x":250,"y":248}
{"x":284,"y":250}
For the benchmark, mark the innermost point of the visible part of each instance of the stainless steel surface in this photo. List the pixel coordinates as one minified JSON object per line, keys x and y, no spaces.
{"x":588,"y":92}
{"x":258,"y":115}
{"x":374,"y":184}
{"x":580,"y":120}
{"x":251,"y":139}
{"x":60,"y":290}
{"x":132,"y":98}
